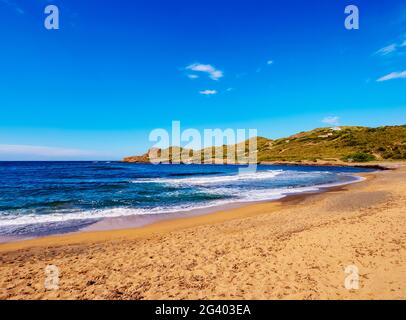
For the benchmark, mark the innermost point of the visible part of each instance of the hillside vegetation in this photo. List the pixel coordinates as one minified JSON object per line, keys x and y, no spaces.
{"x":349,"y":144}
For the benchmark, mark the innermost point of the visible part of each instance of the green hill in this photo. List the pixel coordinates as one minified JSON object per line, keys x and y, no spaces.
{"x":349,"y":144}
{"x":357,"y":143}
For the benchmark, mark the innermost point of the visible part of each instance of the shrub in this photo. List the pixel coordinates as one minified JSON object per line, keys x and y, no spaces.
{"x":359,"y":157}
{"x":387,"y":155}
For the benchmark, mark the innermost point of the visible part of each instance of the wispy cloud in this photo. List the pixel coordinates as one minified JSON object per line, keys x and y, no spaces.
{"x":192,"y":76}
{"x":13,"y":149}
{"x":208,"y":92}
{"x":392,"y":48}
{"x":331,"y":120}
{"x":268,"y":63}
{"x":393,"y":75}
{"x":213,"y":73}
{"x":13,"y":5}
{"x":387,"y":50}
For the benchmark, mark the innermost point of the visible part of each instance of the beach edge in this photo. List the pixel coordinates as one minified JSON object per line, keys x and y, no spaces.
{"x":176,"y":222}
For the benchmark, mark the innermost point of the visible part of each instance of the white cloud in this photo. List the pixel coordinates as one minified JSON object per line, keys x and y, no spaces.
{"x":12,"y":149}
{"x":393,"y":75}
{"x":331,"y":120}
{"x":192,"y":76}
{"x":214,"y":73}
{"x":208,"y":92}
{"x":387,"y":50}
{"x":269,"y":62}
{"x":392,"y":48}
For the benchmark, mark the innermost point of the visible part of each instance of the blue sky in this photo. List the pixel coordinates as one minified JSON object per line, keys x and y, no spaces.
{"x":115,"y":70}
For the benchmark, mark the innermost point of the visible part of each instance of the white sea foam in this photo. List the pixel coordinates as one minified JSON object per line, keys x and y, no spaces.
{"x":92,"y":214}
{"x":240,"y":195}
{"x":259,"y":175}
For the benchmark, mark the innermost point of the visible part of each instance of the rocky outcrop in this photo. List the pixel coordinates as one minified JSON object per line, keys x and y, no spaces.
{"x":145,"y":158}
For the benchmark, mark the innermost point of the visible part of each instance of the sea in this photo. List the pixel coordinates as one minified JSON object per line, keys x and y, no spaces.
{"x":44,"y":198}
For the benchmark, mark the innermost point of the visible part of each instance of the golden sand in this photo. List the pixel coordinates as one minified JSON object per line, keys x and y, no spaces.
{"x":292,"y":249}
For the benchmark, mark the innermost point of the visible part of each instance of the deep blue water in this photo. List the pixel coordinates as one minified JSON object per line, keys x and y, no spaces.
{"x":47,"y":197}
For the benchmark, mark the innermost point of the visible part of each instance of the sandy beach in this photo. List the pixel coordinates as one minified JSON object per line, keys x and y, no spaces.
{"x":297,"y":248}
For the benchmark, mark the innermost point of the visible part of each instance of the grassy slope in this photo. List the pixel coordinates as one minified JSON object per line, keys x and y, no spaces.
{"x":348,"y":144}
{"x":324,"y":143}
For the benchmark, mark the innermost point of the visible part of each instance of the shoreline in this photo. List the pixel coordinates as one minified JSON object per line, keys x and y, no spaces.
{"x":134,"y":222}
{"x":293,"y":248}
{"x":374,"y":165}
{"x":130,"y":221}
{"x":377,"y":165}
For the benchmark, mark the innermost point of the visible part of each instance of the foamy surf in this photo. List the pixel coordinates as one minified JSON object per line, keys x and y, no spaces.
{"x":61,"y":197}
{"x":262,"y":175}
{"x":245,"y":197}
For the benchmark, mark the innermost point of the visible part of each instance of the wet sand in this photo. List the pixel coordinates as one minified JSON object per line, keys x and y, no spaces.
{"x":295,"y":248}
